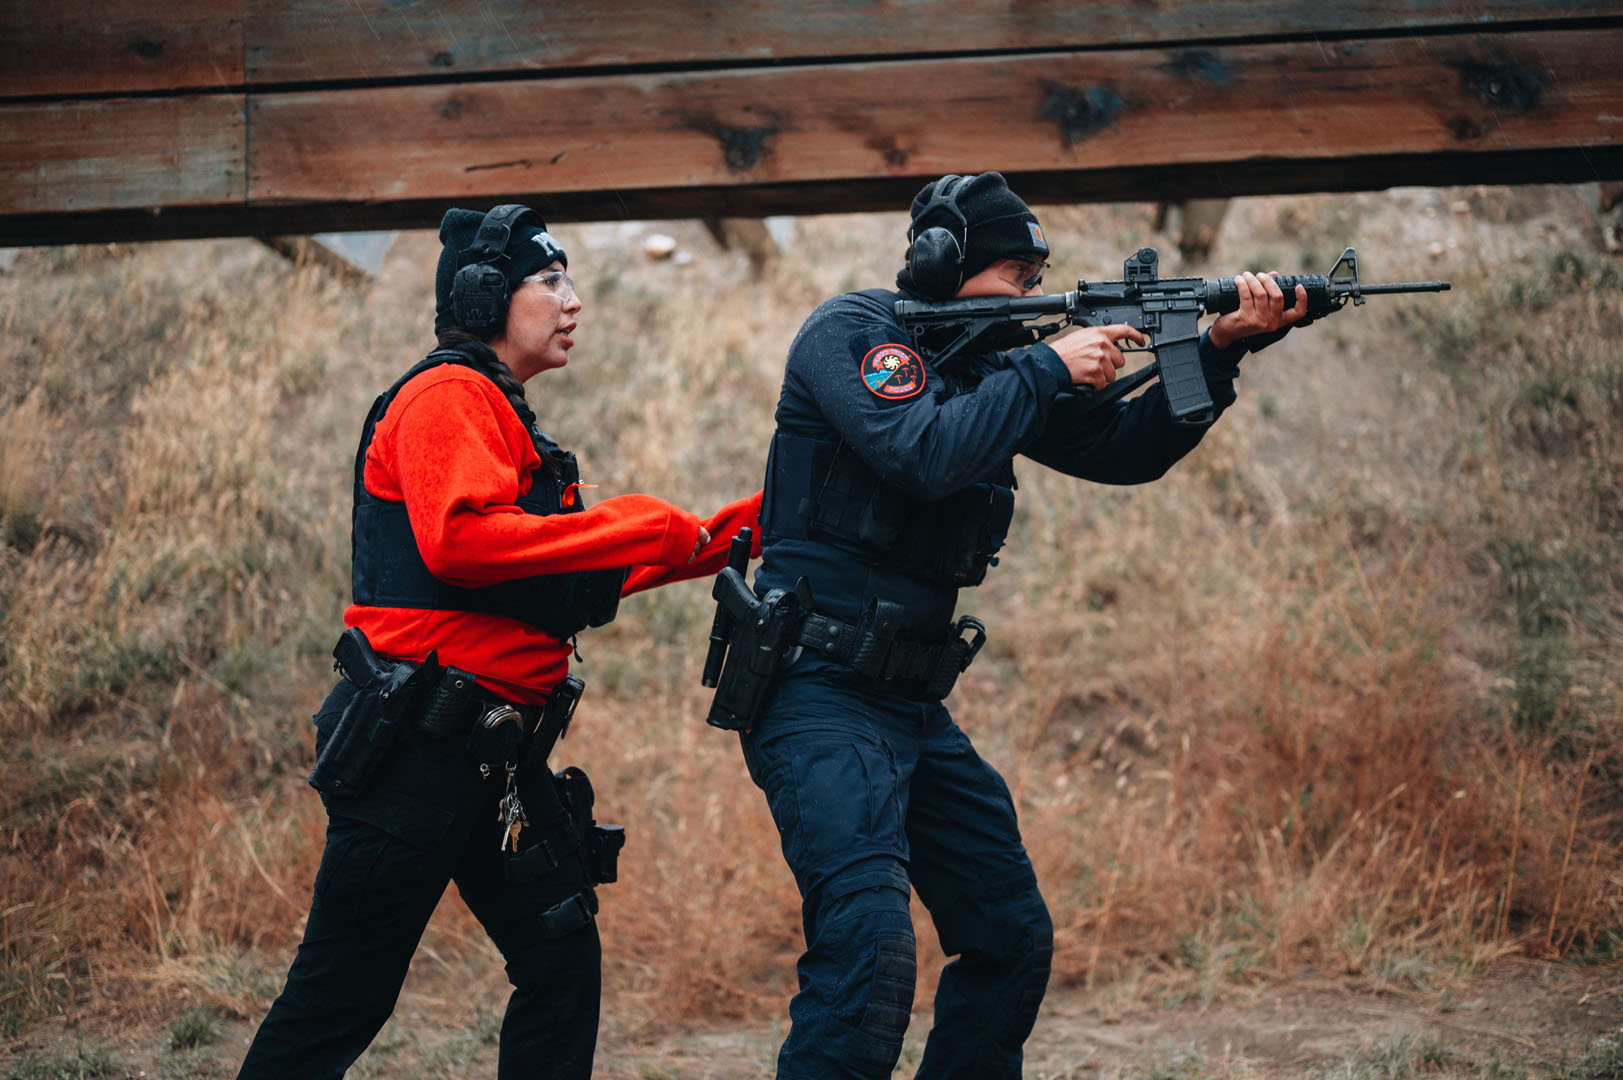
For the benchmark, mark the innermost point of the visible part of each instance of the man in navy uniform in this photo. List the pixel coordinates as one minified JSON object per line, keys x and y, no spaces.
{"x":889,"y":487}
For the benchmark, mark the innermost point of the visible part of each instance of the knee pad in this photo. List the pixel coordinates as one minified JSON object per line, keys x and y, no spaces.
{"x":869,"y":933}
{"x":890,"y":1000}
{"x":1031,"y":953}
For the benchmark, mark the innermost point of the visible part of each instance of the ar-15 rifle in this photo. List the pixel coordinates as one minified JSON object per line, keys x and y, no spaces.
{"x":1168,"y":310}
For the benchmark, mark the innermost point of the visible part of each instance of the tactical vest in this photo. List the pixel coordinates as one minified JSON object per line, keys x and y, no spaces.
{"x":821,"y":490}
{"x":387,"y":569}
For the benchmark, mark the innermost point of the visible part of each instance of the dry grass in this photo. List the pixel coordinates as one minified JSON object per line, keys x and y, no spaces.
{"x":1342,"y":691}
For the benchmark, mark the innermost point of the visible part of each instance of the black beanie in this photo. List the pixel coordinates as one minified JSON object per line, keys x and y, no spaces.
{"x":1000,"y":224}
{"x":529,"y":248}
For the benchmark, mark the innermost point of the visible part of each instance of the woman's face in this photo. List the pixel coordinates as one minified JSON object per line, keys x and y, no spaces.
{"x":540,"y":320}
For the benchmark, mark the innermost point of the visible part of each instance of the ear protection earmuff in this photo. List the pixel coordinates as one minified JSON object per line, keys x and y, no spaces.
{"x":480,"y":291}
{"x":935,"y":256}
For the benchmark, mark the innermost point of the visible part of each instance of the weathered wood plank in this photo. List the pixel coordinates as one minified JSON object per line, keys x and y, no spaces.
{"x":295,"y":41}
{"x":1047,"y":112}
{"x":1263,"y":176}
{"x":125,"y":46}
{"x":119,"y":46}
{"x":77,"y":156}
{"x":1075,"y":126}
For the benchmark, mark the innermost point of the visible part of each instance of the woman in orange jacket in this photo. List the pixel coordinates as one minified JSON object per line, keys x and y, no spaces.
{"x":475,"y":565}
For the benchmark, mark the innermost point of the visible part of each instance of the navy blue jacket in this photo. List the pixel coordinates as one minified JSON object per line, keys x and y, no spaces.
{"x":942,"y":437}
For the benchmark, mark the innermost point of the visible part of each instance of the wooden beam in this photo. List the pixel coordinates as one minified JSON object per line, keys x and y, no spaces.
{"x":1262,"y":176}
{"x":1041,"y":113}
{"x":119,"y":46}
{"x":297,"y":41}
{"x":123,"y":153}
{"x":304,"y":250}
{"x":688,"y":120}
{"x":84,"y":47}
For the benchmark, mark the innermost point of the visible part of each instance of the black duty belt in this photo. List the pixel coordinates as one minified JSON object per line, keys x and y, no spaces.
{"x":455,"y":705}
{"x":445,"y":703}
{"x":456,"y":702}
{"x":922,"y":669}
{"x":497,"y":729}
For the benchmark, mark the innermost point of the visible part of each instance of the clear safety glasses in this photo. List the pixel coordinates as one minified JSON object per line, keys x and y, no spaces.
{"x":555,"y":282}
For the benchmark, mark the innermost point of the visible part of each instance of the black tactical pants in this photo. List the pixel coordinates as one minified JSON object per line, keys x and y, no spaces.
{"x":427,"y":818}
{"x":873,"y":795}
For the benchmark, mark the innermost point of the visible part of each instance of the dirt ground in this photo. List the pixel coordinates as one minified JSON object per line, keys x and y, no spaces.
{"x":1522,"y":1012}
{"x":1519,"y":1014}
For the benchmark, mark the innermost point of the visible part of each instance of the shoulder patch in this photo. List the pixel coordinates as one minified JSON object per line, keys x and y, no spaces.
{"x":893,"y":371}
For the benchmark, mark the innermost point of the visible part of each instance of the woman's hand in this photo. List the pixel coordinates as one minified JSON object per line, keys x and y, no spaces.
{"x":704,"y":538}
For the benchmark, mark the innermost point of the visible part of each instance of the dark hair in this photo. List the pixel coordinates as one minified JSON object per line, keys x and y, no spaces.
{"x":483,"y":358}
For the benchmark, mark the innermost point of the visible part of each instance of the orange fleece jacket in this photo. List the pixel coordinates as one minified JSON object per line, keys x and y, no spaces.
{"x":451,"y":448}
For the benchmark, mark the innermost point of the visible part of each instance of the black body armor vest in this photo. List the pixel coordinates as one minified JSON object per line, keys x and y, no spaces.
{"x":821,"y":490}
{"x":387,"y":569}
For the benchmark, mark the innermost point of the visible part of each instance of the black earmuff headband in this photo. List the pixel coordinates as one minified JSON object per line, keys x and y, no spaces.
{"x":480,"y":292}
{"x":935,"y":255}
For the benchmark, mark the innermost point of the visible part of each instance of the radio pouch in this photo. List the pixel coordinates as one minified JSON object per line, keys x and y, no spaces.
{"x":449,"y":704}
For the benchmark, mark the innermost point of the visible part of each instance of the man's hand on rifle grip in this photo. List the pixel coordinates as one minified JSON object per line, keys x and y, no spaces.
{"x":1092,"y":355}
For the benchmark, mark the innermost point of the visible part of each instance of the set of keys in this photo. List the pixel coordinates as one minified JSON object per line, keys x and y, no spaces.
{"x":510,"y":812}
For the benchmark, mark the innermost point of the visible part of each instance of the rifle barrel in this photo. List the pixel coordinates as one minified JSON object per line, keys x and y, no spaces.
{"x":1406,"y":286}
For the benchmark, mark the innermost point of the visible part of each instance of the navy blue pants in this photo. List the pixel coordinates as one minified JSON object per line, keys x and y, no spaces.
{"x":873,"y":794}
{"x":426,"y":819}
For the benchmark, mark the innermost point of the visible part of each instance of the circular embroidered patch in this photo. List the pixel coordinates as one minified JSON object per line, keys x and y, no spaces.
{"x":893,"y":371}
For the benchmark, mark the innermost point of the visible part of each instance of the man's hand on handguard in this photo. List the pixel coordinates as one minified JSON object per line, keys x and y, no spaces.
{"x":1092,"y":355}
{"x":1262,"y":309}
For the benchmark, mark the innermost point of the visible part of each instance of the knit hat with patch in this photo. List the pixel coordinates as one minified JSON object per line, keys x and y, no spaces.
{"x":997,"y":222}
{"x":529,"y":248}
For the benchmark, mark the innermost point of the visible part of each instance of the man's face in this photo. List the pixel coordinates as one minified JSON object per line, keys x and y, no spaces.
{"x":1021,"y":276}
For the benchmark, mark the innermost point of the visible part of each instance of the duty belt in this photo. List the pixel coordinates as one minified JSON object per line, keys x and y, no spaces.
{"x":497,"y":728}
{"x":444,"y":703}
{"x":919,"y":669}
{"x":455,"y":705}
